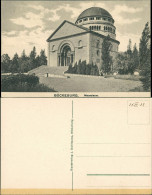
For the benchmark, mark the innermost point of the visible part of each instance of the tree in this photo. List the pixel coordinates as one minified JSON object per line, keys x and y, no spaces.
{"x":146,"y":73}
{"x":15,"y":64}
{"x":144,"y":45}
{"x":106,"y":58}
{"x":5,"y":63}
{"x":130,"y":61}
{"x":135,"y":54}
{"x":122,"y":63}
{"x":88,"y":69}
{"x":38,"y":61}
{"x":23,"y":55}
{"x":25,"y":66}
{"x":24,"y":63}
{"x":33,"y":53}
{"x":83,"y":67}
{"x":145,"y":58}
{"x":33,"y":58}
{"x":79,"y":67}
{"x":94,"y":70}
{"x":75,"y":68}
{"x":129,"y":48}
{"x":43,"y":58}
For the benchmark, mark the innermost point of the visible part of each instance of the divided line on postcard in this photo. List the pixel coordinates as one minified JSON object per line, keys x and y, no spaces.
{"x":123,"y":174}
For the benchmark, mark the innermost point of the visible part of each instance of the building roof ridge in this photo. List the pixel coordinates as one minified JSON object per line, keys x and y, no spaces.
{"x":86,"y":29}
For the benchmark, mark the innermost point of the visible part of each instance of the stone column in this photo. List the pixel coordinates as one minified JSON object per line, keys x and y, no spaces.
{"x":73,"y":62}
{"x":64,"y":59}
{"x":71,"y":59}
{"x":59,"y":60}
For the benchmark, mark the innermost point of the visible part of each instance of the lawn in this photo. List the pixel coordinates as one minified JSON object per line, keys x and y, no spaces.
{"x":90,"y":84}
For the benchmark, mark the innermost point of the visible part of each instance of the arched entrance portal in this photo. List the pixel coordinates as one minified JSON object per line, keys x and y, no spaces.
{"x":66,"y":56}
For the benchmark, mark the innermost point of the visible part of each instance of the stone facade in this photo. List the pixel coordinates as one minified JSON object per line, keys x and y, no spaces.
{"x":72,"y":42}
{"x":78,"y":51}
{"x":96,"y":49}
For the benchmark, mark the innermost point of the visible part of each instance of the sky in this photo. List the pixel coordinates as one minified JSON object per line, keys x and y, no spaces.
{"x":26,"y":24}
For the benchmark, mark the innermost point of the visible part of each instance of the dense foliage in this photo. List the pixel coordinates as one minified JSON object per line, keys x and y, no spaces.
{"x":22,"y":83}
{"x":128,"y":61}
{"x":83,"y":68}
{"x":145,"y":58}
{"x":106,"y":57}
{"x":23,"y":63}
{"x":133,"y":60}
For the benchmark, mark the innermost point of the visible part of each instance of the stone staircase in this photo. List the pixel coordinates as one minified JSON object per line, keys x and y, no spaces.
{"x":42,"y":70}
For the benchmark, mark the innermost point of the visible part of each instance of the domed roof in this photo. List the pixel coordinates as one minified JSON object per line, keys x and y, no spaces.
{"x":94,"y":11}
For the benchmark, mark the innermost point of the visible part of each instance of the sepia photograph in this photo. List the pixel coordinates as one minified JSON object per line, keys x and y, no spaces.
{"x":76,"y":46}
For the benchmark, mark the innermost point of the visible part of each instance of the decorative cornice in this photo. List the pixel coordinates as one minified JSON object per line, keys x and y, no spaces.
{"x":65,"y":21}
{"x":86,"y":31}
{"x":65,"y":37}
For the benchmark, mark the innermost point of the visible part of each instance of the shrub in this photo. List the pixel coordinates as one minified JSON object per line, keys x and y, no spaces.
{"x":88,"y":69}
{"x":22,"y":83}
{"x":75,"y":68}
{"x":96,"y":70}
{"x":83,"y":68}
{"x":70,"y":69}
{"x":20,"y":79}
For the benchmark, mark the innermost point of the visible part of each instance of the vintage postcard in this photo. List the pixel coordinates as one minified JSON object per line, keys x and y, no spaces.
{"x":76,"y":48}
{"x":58,"y":135}
{"x":76,"y":146}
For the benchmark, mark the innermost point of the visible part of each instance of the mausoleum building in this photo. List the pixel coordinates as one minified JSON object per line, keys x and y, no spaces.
{"x":71,"y":42}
